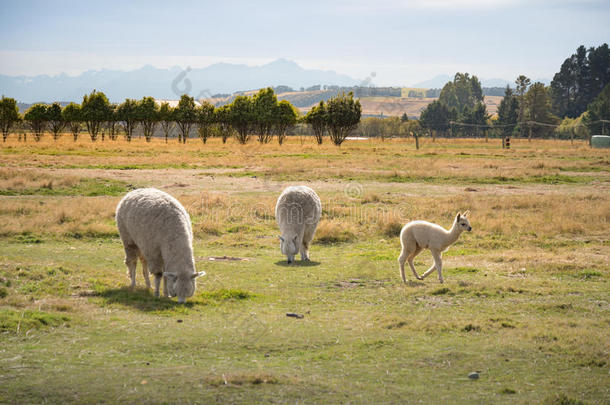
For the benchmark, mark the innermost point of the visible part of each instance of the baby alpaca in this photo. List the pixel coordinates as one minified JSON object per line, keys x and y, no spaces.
{"x":418,"y":235}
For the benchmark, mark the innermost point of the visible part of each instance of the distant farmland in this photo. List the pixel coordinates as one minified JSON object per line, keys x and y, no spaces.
{"x":371,"y":106}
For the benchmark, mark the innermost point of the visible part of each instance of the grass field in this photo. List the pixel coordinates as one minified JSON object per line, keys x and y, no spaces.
{"x":525,"y":303}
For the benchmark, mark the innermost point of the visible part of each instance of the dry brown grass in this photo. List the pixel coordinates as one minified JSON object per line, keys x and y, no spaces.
{"x":509,"y":216}
{"x":61,"y":216}
{"x":16,"y":179}
{"x":509,"y":212}
{"x":444,"y":159}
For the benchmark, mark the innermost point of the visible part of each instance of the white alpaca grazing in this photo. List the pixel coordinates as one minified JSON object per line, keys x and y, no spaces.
{"x":297,"y":212}
{"x":156,"y":228}
{"x":418,"y":235}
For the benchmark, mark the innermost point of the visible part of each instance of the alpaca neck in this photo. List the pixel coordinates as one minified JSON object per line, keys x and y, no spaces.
{"x":452,"y":235}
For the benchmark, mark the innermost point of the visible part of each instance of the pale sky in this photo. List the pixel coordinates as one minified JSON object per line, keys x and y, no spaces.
{"x":403,"y":42}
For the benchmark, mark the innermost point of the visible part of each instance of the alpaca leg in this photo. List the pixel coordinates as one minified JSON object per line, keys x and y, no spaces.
{"x":427,"y":273}
{"x":410,"y":261}
{"x":438,"y":265}
{"x":157,"y":284}
{"x":165,"y":293}
{"x":131,"y":260}
{"x":431,"y":269}
{"x":145,"y":272}
{"x":401,"y":263}
{"x":407,"y":254}
{"x":305,"y":251}
{"x":401,"y":266}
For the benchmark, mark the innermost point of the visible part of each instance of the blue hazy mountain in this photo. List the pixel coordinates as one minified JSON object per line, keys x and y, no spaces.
{"x":168,"y":83}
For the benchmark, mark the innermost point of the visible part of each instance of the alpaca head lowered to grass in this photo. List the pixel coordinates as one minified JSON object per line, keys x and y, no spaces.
{"x":289,"y":247}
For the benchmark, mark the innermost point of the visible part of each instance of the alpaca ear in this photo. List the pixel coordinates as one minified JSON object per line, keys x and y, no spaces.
{"x":466,"y":213}
{"x":282,"y":239}
{"x":195,"y":275}
{"x":457,"y":217}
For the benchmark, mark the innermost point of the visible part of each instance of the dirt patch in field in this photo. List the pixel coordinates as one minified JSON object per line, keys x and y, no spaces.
{"x":194,"y":181}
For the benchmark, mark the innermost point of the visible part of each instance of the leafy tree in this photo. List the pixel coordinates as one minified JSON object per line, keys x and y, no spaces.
{"x":317,"y":117}
{"x":112,"y":123}
{"x":476,"y":117}
{"x":37,"y":118}
{"x":508,"y":114}
{"x":148,"y":116}
{"x":539,"y":111}
{"x":95,"y":110}
{"x":73,"y":117}
{"x":522,"y":83}
{"x":185,"y":116}
{"x":343,"y":116}
{"x":598,"y":112}
{"x":599,"y":70}
{"x":286,"y":117}
{"x":571,"y":128}
{"x":404,"y":117}
{"x":166,"y":116}
{"x":222,"y":119}
{"x":264,"y":105}
{"x":205,"y":120}
{"x":436,"y":117}
{"x":464,"y":92}
{"x":241,"y":116}
{"x":127,"y":115}
{"x":581,"y":78}
{"x":9,"y":115}
{"x":56,"y":120}
{"x":414,"y":129}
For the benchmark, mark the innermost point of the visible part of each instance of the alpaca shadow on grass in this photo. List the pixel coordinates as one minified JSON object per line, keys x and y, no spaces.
{"x":297,"y":263}
{"x":413,"y":283}
{"x":141,"y":299}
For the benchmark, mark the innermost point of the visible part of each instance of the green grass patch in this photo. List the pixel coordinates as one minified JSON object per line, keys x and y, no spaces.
{"x":441,"y":291}
{"x":88,"y":187}
{"x":13,"y":321}
{"x":589,"y":274}
{"x":457,"y":251}
{"x":462,"y":270}
{"x":27,"y":238}
{"x":561,"y":399}
{"x":223,"y":295}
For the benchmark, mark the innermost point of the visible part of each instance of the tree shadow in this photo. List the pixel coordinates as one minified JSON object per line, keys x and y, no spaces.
{"x":140,"y":299}
{"x":297,"y":263}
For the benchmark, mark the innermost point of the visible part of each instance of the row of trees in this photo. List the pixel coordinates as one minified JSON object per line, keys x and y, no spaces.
{"x":260,"y":115}
{"x":525,"y":111}
{"x":578,"y":90}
